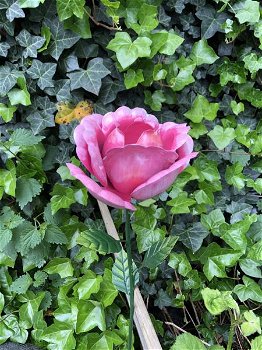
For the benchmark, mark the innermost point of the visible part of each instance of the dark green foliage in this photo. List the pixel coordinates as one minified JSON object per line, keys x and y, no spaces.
{"x":198,"y":245}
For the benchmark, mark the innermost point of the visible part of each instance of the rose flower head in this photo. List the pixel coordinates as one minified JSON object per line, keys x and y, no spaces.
{"x":131,"y":154}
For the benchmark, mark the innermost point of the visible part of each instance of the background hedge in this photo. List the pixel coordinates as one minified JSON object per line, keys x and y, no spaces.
{"x":194,"y":61}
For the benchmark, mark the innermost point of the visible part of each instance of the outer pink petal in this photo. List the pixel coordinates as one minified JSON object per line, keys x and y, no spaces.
{"x":105,"y":195}
{"x":123,"y":117}
{"x":115,"y":139}
{"x":161,"y":181}
{"x":173,"y":135}
{"x":90,"y":131}
{"x":186,"y":148}
{"x":81,"y":148}
{"x":132,"y":165}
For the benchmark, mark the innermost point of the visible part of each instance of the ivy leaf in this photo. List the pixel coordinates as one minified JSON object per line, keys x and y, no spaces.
{"x":89,"y":79}
{"x":68,"y":8}
{"x":146,"y":16}
{"x":222,"y":137}
{"x":13,"y":10}
{"x":30,"y":3}
{"x":8,"y":79}
{"x":26,"y":190}
{"x":62,"y":39}
{"x":159,"y":251}
{"x":133,"y":78}
{"x":4,"y":47}
{"x":40,"y":121}
{"x":216,"y":301}
{"x":90,"y":315}
{"x":110,"y":89}
{"x":249,"y":290}
{"x":211,"y":21}
{"x":26,"y":237}
{"x":31,"y":43}
{"x":127,"y":52}
{"x":7,"y":112}
{"x":251,"y":325}
{"x":181,"y":203}
{"x":231,"y":71}
{"x":87,"y":285}
{"x":202,"y":109}
{"x":213,"y":220}
{"x":80,"y":26}
{"x":164,"y":42}
{"x":191,"y":236}
{"x":234,"y":175}
{"x":62,"y":197}
{"x":120,"y":277}
{"x":247,"y":11}
{"x":107,"y":291}
{"x":61,"y":335}
{"x":187,"y":341}
{"x":237,"y":107}
{"x":202,"y":53}
{"x":62,"y":266}
{"x":21,"y":284}
{"x":43,"y":72}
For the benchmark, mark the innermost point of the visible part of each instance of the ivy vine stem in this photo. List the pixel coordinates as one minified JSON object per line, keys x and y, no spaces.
{"x":231,"y":330}
{"x":131,"y":279}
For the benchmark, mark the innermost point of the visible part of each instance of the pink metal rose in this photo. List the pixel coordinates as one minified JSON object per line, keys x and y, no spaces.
{"x":130,"y":154}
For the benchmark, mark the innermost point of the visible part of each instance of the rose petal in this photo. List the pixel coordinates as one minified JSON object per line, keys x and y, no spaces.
{"x":123,"y":117}
{"x":115,"y":139}
{"x":173,"y":135}
{"x":105,"y":195}
{"x":134,"y":131}
{"x":150,"y":138}
{"x":132,"y":165}
{"x":159,"y":182}
{"x":81,"y":148}
{"x":186,"y":148}
{"x":92,"y":134}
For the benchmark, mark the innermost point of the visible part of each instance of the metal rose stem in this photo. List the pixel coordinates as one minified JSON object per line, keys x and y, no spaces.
{"x":131,"y":278}
{"x":144,"y":326}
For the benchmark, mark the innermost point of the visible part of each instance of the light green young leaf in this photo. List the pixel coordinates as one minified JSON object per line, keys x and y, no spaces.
{"x":187,"y":341}
{"x":249,"y":290}
{"x":234,"y":175}
{"x":68,"y":8}
{"x":256,"y":343}
{"x":59,"y":335}
{"x":62,"y":266}
{"x":87,"y":285}
{"x":62,"y":197}
{"x":127,"y":52}
{"x":237,"y":107}
{"x":202,"y":109}
{"x":216,"y":301}
{"x":132,"y":78}
{"x":251,"y":325}
{"x":202,"y":53}
{"x":7,"y":112}
{"x":247,"y":11}
{"x":222,"y":137}
{"x":90,"y":315}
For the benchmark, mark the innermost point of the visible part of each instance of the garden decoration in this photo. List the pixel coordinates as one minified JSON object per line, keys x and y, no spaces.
{"x":133,"y":157}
